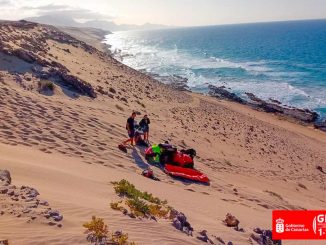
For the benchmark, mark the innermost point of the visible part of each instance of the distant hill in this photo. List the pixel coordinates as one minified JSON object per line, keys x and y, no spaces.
{"x":102,"y":24}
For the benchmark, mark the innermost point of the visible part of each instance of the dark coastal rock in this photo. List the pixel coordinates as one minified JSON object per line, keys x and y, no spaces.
{"x":5,"y":177}
{"x":303,"y":115}
{"x":178,"y":83}
{"x":271,"y":106}
{"x":174,"y":81}
{"x":222,"y":93}
{"x":320,"y":125}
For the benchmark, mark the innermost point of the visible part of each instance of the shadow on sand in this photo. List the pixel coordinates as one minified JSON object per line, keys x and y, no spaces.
{"x":138,"y":159}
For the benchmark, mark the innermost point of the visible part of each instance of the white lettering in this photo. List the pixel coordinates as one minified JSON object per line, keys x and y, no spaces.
{"x":321,"y":218}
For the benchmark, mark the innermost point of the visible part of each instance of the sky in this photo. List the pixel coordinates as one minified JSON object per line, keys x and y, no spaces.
{"x":169,"y":12}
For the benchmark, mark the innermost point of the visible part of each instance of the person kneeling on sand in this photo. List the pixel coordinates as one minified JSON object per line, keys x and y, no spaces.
{"x":130,"y":126}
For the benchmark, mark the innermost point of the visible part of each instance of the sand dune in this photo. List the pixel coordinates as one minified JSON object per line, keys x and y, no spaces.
{"x":64,"y":144}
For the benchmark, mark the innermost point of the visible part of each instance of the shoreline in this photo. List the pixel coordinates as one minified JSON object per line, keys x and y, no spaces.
{"x":293,"y":114}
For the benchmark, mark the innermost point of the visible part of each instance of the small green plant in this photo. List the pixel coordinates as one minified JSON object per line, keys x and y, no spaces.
{"x":139,"y":207}
{"x":44,"y":85}
{"x":125,"y":188}
{"x":97,"y":231}
{"x":141,"y":204}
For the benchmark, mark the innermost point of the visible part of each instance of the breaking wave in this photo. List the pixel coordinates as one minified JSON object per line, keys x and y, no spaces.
{"x":280,"y":79}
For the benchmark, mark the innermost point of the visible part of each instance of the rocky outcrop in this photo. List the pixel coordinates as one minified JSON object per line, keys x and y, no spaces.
{"x":264,"y":237}
{"x":321,"y":125}
{"x":5,"y":178}
{"x":24,"y":202}
{"x":180,"y":223}
{"x":23,"y":24}
{"x":27,"y":56}
{"x":174,"y":81}
{"x":33,"y":50}
{"x":4,"y":242}
{"x":78,"y":84}
{"x":178,"y":83}
{"x":274,"y":106}
{"x":304,"y":115}
{"x":223,"y":93}
{"x":231,"y":221}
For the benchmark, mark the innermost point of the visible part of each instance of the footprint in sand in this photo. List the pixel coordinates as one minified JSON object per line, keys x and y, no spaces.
{"x":191,"y":190}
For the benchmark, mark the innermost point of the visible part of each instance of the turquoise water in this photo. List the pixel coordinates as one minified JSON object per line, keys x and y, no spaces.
{"x":285,"y":61}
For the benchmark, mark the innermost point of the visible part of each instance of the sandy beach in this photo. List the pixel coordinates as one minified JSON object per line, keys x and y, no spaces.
{"x":63,"y":142}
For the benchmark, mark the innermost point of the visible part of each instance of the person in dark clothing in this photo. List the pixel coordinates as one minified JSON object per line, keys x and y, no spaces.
{"x":130,"y":126}
{"x":144,"y":124}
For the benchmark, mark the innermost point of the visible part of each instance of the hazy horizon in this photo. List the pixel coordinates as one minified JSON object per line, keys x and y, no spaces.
{"x":168,"y":12}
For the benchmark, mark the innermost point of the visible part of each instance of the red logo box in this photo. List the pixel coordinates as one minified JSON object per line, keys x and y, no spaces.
{"x":299,"y":225}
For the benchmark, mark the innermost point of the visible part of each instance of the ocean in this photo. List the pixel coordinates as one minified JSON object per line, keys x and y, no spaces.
{"x":285,"y":61}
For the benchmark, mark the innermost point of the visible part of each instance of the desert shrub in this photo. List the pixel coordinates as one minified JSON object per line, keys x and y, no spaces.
{"x":141,"y":204}
{"x":121,"y":238}
{"x":125,"y":188}
{"x":97,"y":231}
{"x":44,"y":85}
{"x":158,"y":211}
{"x":139,"y":207}
{"x":98,"y":234}
{"x":115,"y":205}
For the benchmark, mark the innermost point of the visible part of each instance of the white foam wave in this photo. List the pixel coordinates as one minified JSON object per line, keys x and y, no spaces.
{"x":166,"y":62}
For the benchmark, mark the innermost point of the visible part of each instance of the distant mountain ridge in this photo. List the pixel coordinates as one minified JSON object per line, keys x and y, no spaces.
{"x":101,"y":24}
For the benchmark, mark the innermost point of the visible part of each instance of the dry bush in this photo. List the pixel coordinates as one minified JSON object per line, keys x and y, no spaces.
{"x":45,"y":85}
{"x":98,"y":234}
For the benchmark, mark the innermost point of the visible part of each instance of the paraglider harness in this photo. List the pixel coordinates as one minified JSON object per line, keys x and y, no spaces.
{"x":168,"y":154}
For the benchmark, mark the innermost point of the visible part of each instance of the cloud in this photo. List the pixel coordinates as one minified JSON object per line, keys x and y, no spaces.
{"x":68,"y":11}
{"x":5,"y":2}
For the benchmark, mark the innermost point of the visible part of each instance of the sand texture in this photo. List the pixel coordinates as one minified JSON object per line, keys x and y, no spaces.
{"x":63,"y":142}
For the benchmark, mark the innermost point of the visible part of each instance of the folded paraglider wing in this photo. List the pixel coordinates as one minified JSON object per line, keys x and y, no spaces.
{"x":187,"y":173}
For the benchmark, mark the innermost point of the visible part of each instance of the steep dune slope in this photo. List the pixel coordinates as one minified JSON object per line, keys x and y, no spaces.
{"x":63,"y":107}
